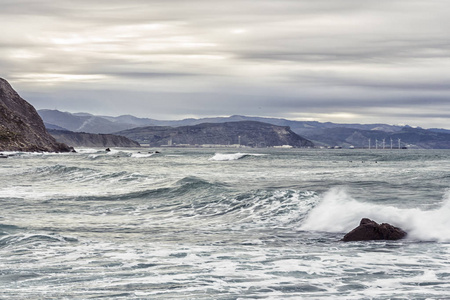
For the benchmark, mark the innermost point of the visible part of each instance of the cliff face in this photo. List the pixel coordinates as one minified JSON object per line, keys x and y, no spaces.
{"x":246,"y":133}
{"x":82,"y":139}
{"x":21,"y":128}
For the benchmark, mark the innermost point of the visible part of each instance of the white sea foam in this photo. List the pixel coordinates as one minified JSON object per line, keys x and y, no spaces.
{"x":339,"y":212}
{"x":141,"y":155}
{"x":114,"y":151}
{"x":19,"y":153}
{"x":87,"y":150}
{"x":232,"y":156}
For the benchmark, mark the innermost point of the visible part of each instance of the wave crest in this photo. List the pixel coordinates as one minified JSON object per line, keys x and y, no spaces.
{"x":16,"y":240}
{"x":339,"y":212}
{"x":232,"y":156}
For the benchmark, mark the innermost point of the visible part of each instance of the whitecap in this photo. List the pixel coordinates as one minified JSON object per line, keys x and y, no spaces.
{"x":142,"y":155}
{"x":232,"y":156}
{"x":338,"y":212}
{"x":87,"y":150}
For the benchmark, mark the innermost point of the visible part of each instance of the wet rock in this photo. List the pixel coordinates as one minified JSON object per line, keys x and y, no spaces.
{"x":371,"y":230}
{"x":21,"y":128}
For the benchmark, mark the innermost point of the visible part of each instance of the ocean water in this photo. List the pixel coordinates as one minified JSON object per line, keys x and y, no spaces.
{"x":223,"y":224}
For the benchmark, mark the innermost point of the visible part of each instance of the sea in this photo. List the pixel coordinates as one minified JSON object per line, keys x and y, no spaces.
{"x":223,"y":224}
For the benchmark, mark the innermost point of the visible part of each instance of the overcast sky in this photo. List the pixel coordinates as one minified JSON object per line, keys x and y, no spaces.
{"x":342,"y":61}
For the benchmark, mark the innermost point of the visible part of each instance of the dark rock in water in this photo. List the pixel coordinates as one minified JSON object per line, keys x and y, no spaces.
{"x":371,"y":230}
{"x":107,"y":150}
{"x":21,"y":128}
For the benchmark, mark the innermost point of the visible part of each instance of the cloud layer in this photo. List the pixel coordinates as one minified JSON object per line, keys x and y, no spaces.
{"x":326,"y":60}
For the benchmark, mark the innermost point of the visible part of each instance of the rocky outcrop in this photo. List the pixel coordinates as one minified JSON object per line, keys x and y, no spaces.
{"x":21,"y":128}
{"x":245,"y":133}
{"x":371,"y":230}
{"x":82,"y":139}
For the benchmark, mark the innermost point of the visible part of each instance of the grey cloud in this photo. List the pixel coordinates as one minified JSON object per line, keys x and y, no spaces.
{"x":227,"y":57}
{"x":148,"y":74}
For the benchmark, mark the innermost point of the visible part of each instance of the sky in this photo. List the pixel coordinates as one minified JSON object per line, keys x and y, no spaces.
{"x":343,"y":61}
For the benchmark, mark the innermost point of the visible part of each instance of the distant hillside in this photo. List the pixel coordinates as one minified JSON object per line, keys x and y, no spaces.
{"x":105,"y":124}
{"x":324,"y":134}
{"x":81,"y":122}
{"x":51,"y":126}
{"x":300,"y":127}
{"x":246,"y":133}
{"x":441,"y":130}
{"x":82,"y":139}
{"x":21,"y":128}
{"x":409,"y":137}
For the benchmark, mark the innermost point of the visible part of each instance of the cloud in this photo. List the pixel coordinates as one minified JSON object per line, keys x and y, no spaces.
{"x":169,"y":59}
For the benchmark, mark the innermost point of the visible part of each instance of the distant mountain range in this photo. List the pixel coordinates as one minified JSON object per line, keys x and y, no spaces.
{"x":245,"y":133}
{"x":321,"y":134}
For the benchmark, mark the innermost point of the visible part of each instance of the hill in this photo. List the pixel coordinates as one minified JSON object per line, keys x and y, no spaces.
{"x":106,"y":124}
{"x":409,"y":137}
{"x":56,"y":119}
{"x":83,"y":139}
{"x":246,"y":133}
{"x":21,"y":128}
{"x":323,"y":134}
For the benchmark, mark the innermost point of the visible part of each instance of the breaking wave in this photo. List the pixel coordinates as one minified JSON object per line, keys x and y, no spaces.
{"x":21,"y":239}
{"x":339,"y":212}
{"x":232,"y":156}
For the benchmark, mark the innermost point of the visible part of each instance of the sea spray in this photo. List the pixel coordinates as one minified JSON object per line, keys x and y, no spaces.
{"x":142,"y":155}
{"x":430,"y":225}
{"x":232,"y":156}
{"x":337,"y":211}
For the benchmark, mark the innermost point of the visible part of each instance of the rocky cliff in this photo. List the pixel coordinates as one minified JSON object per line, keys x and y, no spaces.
{"x":82,"y":139}
{"x":246,"y":133}
{"x":21,"y":128}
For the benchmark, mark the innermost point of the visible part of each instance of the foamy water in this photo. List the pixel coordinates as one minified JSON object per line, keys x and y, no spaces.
{"x":232,"y":156}
{"x":339,"y":212}
{"x":196,"y":224}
